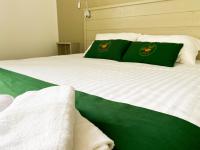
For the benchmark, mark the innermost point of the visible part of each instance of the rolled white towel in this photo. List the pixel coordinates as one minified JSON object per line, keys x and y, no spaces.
{"x":86,"y":135}
{"x":89,"y":137}
{"x":5,"y":101}
{"x":39,"y":120}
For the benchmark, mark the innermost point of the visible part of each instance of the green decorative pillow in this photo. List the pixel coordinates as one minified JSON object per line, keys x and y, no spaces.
{"x":108,"y":49}
{"x":164,"y":54}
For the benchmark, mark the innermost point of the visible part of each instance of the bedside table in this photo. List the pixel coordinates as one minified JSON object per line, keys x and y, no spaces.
{"x":66,"y":48}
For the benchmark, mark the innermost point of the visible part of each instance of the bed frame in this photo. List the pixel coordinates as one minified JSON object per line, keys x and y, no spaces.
{"x":145,"y":16}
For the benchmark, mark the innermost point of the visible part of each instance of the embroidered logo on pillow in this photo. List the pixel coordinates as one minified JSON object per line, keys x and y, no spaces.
{"x":104,"y":46}
{"x":148,"y":50}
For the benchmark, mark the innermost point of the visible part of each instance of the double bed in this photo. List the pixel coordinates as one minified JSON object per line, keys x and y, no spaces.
{"x":139,"y":106}
{"x":143,"y":99}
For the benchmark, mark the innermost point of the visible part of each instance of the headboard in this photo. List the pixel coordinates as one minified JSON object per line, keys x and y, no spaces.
{"x":145,"y":16}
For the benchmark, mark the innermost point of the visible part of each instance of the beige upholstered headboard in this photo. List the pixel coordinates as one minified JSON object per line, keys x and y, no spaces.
{"x":147,"y":17}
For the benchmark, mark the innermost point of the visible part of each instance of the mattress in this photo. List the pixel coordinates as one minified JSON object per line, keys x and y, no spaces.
{"x":129,"y":126}
{"x":174,"y":91}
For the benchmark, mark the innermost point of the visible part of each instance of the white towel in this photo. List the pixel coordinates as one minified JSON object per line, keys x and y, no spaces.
{"x":89,"y":137}
{"x":5,"y":101}
{"x":41,"y":120}
{"x":47,"y":120}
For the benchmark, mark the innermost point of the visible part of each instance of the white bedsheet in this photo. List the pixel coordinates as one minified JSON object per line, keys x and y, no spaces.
{"x":174,"y":91}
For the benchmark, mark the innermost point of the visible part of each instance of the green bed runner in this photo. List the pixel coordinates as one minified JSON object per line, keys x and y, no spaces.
{"x":132,"y":128}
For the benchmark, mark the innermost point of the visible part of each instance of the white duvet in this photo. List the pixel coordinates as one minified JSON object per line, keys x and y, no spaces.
{"x":174,"y":91}
{"x":47,"y":120}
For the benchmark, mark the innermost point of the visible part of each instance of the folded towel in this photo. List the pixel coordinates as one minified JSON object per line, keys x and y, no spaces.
{"x":47,"y":120}
{"x":89,"y":137}
{"x":5,"y":101}
{"x":41,"y":120}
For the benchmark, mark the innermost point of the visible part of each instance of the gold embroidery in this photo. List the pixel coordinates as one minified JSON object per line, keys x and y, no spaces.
{"x":104,"y":46}
{"x":148,"y":50}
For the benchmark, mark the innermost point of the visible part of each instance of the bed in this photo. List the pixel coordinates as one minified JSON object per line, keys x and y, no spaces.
{"x":130,"y":102}
{"x":139,"y":106}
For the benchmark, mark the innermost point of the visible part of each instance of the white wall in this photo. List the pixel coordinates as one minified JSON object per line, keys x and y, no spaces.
{"x":28,"y":28}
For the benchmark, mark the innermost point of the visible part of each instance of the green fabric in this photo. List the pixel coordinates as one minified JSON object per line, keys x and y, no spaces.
{"x":15,"y":84}
{"x":132,"y":128}
{"x":108,"y":49}
{"x":164,"y":54}
{"x":135,"y":128}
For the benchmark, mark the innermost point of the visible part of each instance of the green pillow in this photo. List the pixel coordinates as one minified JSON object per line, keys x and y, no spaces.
{"x":108,"y":49}
{"x":164,"y":54}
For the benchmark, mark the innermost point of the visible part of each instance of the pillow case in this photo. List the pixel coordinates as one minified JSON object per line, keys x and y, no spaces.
{"x":115,"y":36}
{"x":164,"y":54}
{"x":189,"y":50}
{"x":108,"y":49}
{"x":88,"y":48}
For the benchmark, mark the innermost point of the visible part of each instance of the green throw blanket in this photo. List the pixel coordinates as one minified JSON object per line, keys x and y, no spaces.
{"x":132,"y":128}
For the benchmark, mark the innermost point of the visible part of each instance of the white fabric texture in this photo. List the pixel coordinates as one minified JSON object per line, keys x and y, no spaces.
{"x":115,"y":36}
{"x":89,"y":137}
{"x":5,"y":101}
{"x":37,"y":120}
{"x":174,"y":91}
{"x":46,"y":120}
{"x":190,"y":48}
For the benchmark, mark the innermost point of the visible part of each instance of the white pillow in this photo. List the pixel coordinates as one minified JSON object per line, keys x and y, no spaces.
{"x":114,"y":36}
{"x":190,"y":48}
